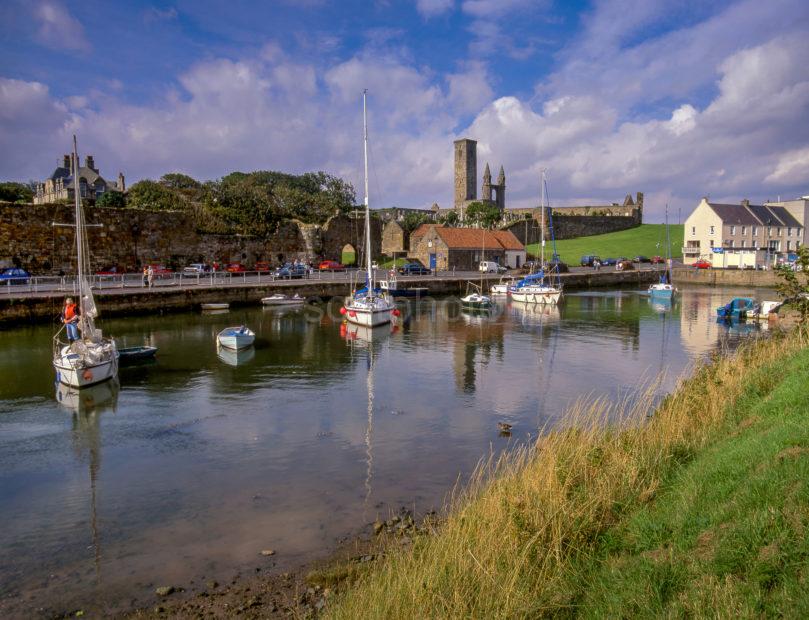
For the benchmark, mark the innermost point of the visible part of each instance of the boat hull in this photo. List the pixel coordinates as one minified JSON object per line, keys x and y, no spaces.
{"x":536,"y":297}
{"x":282,"y":301}
{"x":214,"y":306}
{"x":236,"y":342}
{"x":85,"y":375}
{"x":368,"y":317}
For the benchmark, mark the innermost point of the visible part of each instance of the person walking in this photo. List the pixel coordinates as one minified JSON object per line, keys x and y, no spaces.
{"x":150,"y":275}
{"x":70,"y":317}
{"x":145,"y":276}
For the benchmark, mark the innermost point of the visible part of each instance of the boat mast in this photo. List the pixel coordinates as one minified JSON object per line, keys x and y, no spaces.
{"x":367,"y":207}
{"x":668,"y":248}
{"x":542,"y":222}
{"x":79,"y":229}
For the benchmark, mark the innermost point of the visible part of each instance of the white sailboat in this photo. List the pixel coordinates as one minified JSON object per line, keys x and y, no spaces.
{"x":368,"y":308}
{"x":91,"y":358}
{"x":664,"y":290}
{"x":534,"y":289}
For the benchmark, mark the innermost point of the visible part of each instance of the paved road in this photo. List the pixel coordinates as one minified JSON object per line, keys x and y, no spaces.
{"x":49,"y":285}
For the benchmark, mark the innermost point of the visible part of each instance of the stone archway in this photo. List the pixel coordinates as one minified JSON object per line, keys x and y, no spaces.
{"x":348,"y":255}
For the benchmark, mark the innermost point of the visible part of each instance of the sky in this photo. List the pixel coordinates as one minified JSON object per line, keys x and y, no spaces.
{"x":678,"y":99}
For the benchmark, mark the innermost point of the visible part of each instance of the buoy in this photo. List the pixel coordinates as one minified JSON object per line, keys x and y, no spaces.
{"x":343,"y":310}
{"x":396,"y":312}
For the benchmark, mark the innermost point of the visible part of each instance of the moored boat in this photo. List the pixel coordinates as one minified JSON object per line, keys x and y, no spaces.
{"x":215,"y":306}
{"x":130,"y":355}
{"x":236,"y":337}
{"x":283,"y":300}
{"x":739,"y":309}
{"x":503,"y":287}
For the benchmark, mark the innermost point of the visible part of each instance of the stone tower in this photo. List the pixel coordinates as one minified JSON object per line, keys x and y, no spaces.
{"x":487,"y":183}
{"x":501,"y":189}
{"x":466,"y":172}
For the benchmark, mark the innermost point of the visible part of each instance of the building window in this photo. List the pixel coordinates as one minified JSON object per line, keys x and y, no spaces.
{"x":711,"y":242}
{"x":744,"y":230}
{"x":693,"y":231}
{"x":769,"y":231}
{"x":732,"y":230}
{"x":789,"y":245}
{"x":789,"y":231}
{"x":779,"y":231}
{"x":755,"y":231}
{"x":710,"y":231}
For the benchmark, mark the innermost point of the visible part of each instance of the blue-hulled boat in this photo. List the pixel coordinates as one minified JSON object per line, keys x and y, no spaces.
{"x":738,"y":309}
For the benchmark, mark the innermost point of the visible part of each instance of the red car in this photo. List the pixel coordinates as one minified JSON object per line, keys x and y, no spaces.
{"x":235,"y":268}
{"x":657,"y":260}
{"x":112,"y":270}
{"x":702,"y":264}
{"x":160,"y":270}
{"x":261,"y":267}
{"x":331,"y":265}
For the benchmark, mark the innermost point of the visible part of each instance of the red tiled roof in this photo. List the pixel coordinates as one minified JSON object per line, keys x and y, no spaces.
{"x":422,"y":229}
{"x":476,"y":238}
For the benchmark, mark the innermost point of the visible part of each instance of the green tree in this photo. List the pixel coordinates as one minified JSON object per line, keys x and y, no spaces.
{"x":795,"y":284}
{"x":450,"y":219}
{"x":11,"y":191}
{"x":412,"y":220}
{"x":152,"y":195}
{"x":482,"y":214}
{"x":111,"y":199}
{"x":177,"y":180}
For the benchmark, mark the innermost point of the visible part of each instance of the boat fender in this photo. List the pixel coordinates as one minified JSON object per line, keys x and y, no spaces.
{"x":343,"y":311}
{"x":88,"y":375}
{"x":352,"y":314}
{"x":396,"y":312}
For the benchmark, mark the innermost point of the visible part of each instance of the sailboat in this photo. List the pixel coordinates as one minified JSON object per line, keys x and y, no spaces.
{"x":91,"y":358}
{"x":534,"y":288}
{"x":370,"y":307}
{"x":664,"y":289}
{"x":474,"y":298}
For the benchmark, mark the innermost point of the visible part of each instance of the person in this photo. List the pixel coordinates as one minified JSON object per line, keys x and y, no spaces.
{"x":70,"y":317}
{"x":145,"y":276}
{"x":150,"y":275}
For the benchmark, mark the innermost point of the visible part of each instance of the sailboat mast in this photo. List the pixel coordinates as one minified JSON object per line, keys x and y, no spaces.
{"x":367,"y":207}
{"x":542,"y":221}
{"x":79,"y":228}
{"x":668,"y":247}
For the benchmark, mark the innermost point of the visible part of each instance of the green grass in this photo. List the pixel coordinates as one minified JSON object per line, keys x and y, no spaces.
{"x":701,"y":510}
{"x":390,"y":263}
{"x":348,"y":258}
{"x":645,"y":240}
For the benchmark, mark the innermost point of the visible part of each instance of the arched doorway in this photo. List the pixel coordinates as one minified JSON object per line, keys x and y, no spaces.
{"x":348,"y":256}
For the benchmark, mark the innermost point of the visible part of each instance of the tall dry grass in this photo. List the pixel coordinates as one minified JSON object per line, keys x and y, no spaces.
{"x":516,"y":537}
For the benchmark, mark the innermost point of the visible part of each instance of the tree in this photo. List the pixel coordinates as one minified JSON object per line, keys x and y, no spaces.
{"x":11,"y":191}
{"x":152,"y":195}
{"x":483,"y":214}
{"x":450,"y":219}
{"x":794,"y":291}
{"x":177,"y":180}
{"x":111,"y":199}
{"x":412,"y":220}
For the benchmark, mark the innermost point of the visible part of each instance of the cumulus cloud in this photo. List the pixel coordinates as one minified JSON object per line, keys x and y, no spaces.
{"x":58,"y":28}
{"x":792,"y":169}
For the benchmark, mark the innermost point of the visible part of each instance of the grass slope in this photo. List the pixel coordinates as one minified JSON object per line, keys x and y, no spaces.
{"x":646,"y":240}
{"x":700,"y":510}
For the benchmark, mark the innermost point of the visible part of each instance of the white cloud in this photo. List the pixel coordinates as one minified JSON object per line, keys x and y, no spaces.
{"x":433,"y":8}
{"x":58,"y":28}
{"x":792,"y":169}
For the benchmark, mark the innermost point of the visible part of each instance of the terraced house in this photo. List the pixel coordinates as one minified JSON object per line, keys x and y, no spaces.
{"x":745,"y":235}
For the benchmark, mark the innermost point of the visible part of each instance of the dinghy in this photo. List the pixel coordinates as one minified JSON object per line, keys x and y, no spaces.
{"x":283,"y":300}
{"x":221,"y":306}
{"x":130,"y":355}
{"x":236,"y":337}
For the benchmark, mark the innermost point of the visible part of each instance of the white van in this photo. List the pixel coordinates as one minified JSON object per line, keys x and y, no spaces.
{"x":489,"y":266}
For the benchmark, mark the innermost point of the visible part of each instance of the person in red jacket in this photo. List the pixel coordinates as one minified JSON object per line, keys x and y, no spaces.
{"x":70,"y":317}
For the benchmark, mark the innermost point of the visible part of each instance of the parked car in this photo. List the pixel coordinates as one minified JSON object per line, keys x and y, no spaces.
{"x":530,"y":266}
{"x":641,"y":259}
{"x":14,"y":275}
{"x":159,"y":270}
{"x":556,"y":266}
{"x":290,"y":271}
{"x":110,"y":270}
{"x":414,"y":269}
{"x":195,"y":269}
{"x":262,"y":267}
{"x":609,"y":261}
{"x":624,"y":265}
{"x":657,"y":260}
{"x":702,"y":264}
{"x":490,"y":266}
{"x":331,"y":265}
{"x":589,"y":259}
{"x":235,"y":268}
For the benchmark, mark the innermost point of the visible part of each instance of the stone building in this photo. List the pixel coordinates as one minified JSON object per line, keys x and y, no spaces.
{"x":466,"y":186}
{"x":60,"y":185}
{"x":443,"y":248}
{"x":765,"y":231}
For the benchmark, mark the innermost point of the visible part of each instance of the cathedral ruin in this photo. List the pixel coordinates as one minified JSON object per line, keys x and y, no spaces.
{"x":466,"y":185}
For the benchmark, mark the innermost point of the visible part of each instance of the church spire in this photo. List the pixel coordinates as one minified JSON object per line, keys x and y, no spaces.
{"x":501,"y":177}
{"x":487,"y":183}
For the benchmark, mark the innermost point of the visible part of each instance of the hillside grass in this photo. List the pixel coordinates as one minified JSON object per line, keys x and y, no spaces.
{"x":646,"y":240}
{"x":700,"y":510}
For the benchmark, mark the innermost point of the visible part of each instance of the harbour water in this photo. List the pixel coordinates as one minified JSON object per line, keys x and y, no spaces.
{"x":190,"y":466}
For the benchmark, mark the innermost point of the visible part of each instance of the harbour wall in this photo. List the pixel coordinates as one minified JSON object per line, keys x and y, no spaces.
{"x":45,"y":306}
{"x":725,"y":277}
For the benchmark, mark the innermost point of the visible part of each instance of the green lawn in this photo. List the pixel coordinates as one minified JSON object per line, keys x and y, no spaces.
{"x":348,"y":258}
{"x":646,"y":240}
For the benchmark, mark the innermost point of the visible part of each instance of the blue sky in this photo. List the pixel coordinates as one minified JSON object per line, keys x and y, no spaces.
{"x":677,"y":99}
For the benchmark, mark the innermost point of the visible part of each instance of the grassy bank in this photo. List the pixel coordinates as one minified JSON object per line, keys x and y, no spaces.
{"x":701,"y":509}
{"x":646,"y":240}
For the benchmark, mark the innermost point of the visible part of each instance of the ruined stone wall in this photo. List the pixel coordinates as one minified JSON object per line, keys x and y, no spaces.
{"x":394,"y":239}
{"x":340,"y":230}
{"x":131,"y":238}
{"x":572,"y":226}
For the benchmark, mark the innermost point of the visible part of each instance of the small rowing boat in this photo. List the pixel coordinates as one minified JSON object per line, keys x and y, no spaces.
{"x":283,"y":300}
{"x":129,"y":355}
{"x":236,"y":337}
{"x":214,"y":306}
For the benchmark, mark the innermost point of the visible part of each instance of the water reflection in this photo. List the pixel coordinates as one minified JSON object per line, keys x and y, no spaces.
{"x":324,"y":428}
{"x":235,"y":357}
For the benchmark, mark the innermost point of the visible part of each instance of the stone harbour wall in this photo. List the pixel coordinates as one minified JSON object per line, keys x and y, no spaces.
{"x":130,"y":238}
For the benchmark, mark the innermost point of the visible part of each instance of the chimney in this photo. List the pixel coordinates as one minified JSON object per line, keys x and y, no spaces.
{"x":66,"y":161}
{"x":121,"y":182}
{"x":745,"y":203}
{"x":90,"y":163}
